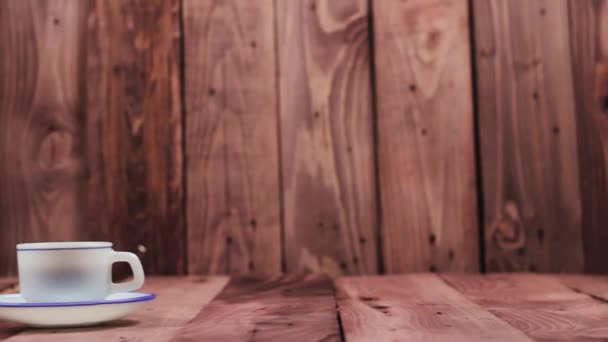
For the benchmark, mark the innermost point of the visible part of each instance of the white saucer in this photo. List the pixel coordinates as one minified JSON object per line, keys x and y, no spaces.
{"x":70,"y":314}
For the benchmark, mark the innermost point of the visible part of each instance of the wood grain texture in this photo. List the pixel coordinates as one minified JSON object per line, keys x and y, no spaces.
{"x":417,"y":307}
{"x":178,"y":300}
{"x":425,"y":135}
{"x":594,"y":286}
{"x":528,"y":136}
{"x":285,"y":308}
{"x":589,"y":46}
{"x":330,"y":207}
{"x":133,"y":130}
{"x":42,"y":162}
{"x":536,"y":304}
{"x":231,"y":137}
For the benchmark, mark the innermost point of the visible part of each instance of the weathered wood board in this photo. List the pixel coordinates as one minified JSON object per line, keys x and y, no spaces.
{"x":329,"y":193}
{"x":233,"y":204}
{"x":425,"y":136}
{"x":527,"y":134}
{"x":589,"y":49}
{"x":133,"y":131}
{"x":416,"y":307}
{"x":538,"y":305}
{"x":283,"y":308}
{"x":42,"y":164}
{"x":594,"y":286}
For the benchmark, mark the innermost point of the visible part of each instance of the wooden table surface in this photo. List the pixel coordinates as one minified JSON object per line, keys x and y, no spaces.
{"x":424,"y":307}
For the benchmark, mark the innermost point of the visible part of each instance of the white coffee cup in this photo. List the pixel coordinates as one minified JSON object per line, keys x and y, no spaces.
{"x":72,"y":271}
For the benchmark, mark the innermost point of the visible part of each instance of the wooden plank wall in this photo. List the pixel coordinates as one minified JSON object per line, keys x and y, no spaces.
{"x":540,"y":92}
{"x":425,"y":135}
{"x":133,"y":130}
{"x":91,"y":127}
{"x":327,"y":149}
{"x":231,"y":137}
{"x":589,"y":53}
{"x":41,"y":146}
{"x":527,"y":136}
{"x":334,"y":136}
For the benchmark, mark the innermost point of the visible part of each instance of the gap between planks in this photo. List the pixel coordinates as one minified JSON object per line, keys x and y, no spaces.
{"x":595,"y":287}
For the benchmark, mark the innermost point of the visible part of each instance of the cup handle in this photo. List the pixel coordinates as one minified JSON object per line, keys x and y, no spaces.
{"x":136,"y":267}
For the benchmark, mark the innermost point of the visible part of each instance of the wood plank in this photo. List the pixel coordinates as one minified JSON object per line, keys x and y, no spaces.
{"x":589,"y":48}
{"x":9,"y":287}
{"x":133,"y":130}
{"x":594,"y":286}
{"x":42,"y":164}
{"x":330,"y":204}
{"x":233,"y":210}
{"x":178,"y":300}
{"x":415,"y":307}
{"x":7,"y":283}
{"x":8,"y":329}
{"x":528,"y":136}
{"x":536,"y":304}
{"x":425,"y":135}
{"x":284,"y":308}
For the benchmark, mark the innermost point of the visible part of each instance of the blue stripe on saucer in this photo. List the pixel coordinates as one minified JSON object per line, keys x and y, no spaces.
{"x":60,"y":249}
{"x":140,"y":297}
